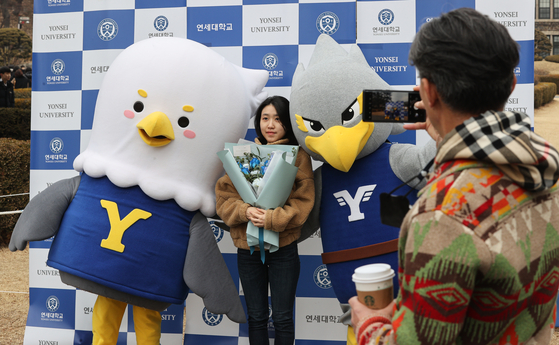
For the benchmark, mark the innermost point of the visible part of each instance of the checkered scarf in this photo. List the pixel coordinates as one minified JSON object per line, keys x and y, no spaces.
{"x":506,"y":140}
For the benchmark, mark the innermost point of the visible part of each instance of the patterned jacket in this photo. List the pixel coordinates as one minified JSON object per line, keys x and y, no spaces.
{"x":479,"y":250}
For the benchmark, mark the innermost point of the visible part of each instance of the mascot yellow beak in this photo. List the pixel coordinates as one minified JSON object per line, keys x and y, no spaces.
{"x":156,"y":129}
{"x":339,"y":146}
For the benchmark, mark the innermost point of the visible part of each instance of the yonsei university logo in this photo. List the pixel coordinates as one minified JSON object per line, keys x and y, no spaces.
{"x":328,"y":23}
{"x":56,"y":145}
{"x":270,"y":61}
{"x":218,"y":232}
{"x":107,"y":29}
{"x":53,"y":303}
{"x":321,"y":277}
{"x":211,"y":319}
{"x":161,"y":23}
{"x":57,"y":66}
{"x":386,"y":17}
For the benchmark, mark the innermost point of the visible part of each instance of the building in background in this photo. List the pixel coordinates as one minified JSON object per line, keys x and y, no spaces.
{"x":547,"y":21}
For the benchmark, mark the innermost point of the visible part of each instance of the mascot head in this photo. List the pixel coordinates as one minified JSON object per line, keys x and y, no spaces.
{"x":164,"y":109}
{"x":326,"y":105}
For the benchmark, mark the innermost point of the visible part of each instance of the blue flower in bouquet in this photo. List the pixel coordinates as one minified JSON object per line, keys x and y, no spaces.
{"x":263,"y":169}
{"x":250,"y":165}
{"x":254,"y":163}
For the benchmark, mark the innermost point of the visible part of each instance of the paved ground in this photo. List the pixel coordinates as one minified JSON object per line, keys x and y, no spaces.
{"x":546,"y":122}
{"x":546,"y":118}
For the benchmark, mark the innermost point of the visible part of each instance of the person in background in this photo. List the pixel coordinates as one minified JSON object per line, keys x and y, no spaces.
{"x":21,"y":81}
{"x":7,"y":97}
{"x":13,"y":70}
{"x":479,"y":250}
{"x":281,"y":268}
{"x":27,"y":72}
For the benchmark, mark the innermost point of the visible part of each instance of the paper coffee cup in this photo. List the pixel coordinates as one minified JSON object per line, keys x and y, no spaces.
{"x":374,"y":285}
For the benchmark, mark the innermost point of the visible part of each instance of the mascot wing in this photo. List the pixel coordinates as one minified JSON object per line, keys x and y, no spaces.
{"x":42,"y":216}
{"x":206,"y":274}
{"x":407,"y":160}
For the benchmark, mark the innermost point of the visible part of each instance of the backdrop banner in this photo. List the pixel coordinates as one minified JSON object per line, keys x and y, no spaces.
{"x":74,"y":44}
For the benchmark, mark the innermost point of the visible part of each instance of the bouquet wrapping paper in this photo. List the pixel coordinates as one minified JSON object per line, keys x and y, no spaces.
{"x":273,"y":191}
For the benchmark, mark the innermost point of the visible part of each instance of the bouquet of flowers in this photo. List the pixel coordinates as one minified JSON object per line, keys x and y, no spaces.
{"x":263,"y":175}
{"x":253,"y":168}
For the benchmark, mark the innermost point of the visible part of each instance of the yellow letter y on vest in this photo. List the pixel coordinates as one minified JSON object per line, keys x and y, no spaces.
{"x":119,"y":226}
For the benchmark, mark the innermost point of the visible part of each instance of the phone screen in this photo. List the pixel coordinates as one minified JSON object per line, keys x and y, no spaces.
{"x":391,"y":106}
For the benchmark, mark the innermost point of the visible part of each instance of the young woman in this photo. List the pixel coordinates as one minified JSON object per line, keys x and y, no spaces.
{"x":281,"y":268}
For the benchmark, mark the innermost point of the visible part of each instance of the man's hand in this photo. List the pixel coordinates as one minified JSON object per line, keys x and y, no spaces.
{"x":359,"y":311}
{"x":426,"y":126}
{"x":423,"y":125}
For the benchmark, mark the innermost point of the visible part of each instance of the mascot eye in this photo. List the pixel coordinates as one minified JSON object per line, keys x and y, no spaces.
{"x":138,"y":107}
{"x":351,"y":112}
{"x":314,"y":127}
{"x":183,"y":121}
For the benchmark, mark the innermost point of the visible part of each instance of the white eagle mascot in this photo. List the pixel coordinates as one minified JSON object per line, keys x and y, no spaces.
{"x":132,"y":226}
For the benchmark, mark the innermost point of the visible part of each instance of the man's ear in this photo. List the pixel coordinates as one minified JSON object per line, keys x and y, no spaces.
{"x":430,"y":90}
{"x":513,"y":83}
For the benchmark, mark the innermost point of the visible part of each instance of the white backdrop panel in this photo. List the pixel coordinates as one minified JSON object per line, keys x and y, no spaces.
{"x":71,"y":58}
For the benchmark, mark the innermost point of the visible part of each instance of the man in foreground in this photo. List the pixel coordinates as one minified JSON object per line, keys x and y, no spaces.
{"x":479,"y":250}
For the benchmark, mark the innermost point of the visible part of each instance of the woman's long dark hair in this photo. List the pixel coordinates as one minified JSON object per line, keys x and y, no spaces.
{"x":282,"y":108}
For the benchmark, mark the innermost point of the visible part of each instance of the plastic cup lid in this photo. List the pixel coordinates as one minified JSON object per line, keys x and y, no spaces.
{"x":372,"y":273}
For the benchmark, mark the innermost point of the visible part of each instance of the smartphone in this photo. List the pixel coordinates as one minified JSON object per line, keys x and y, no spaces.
{"x":391,"y":106}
